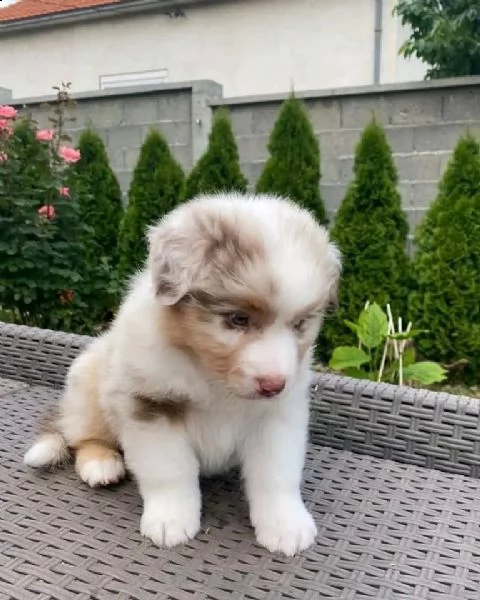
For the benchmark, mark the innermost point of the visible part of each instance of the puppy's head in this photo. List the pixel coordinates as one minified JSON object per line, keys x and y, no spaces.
{"x":244,"y":282}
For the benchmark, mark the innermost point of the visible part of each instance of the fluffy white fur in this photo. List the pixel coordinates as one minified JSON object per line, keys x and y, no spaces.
{"x":227,"y":421}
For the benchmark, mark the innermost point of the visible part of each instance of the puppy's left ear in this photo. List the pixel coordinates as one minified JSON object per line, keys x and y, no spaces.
{"x":335,"y":264}
{"x":174,"y":261}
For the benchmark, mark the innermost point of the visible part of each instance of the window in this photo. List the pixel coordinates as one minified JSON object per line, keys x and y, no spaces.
{"x":121,"y":80}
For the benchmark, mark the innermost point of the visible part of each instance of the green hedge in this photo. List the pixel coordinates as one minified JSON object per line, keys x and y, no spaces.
{"x":293,"y":168}
{"x":445,"y":299}
{"x":371,"y":230}
{"x":157,"y":186}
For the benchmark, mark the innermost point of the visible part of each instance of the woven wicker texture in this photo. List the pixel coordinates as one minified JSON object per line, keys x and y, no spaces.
{"x":409,"y":426}
{"x":386,"y":532}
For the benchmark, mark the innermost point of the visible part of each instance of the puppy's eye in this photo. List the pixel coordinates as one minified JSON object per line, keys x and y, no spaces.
{"x":299,"y":324}
{"x":238,"y":320}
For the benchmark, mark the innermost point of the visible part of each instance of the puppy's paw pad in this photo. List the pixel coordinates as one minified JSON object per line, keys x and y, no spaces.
{"x":169,"y":527}
{"x":287,"y":532}
{"x":102,"y":472}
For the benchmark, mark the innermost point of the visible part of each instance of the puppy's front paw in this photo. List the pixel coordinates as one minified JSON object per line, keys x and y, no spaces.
{"x":168,"y":523}
{"x":285,"y":526}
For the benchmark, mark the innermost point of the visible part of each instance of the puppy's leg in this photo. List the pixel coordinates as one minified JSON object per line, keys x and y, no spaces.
{"x":97,"y":463}
{"x":84,"y":423}
{"x":160,"y":456}
{"x":273,"y":462}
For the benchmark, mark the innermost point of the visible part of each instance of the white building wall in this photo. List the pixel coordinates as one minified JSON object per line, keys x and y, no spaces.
{"x":249,"y":46}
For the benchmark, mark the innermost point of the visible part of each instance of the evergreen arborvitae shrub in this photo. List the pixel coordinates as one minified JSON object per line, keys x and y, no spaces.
{"x":218,"y":170}
{"x":157,"y":187}
{"x":100,"y":195}
{"x":371,"y":231}
{"x":293,"y":168}
{"x":446,"y":266}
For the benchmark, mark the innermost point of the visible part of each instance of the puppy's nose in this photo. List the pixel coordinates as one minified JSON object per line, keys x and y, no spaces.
{"x":270,"y":385}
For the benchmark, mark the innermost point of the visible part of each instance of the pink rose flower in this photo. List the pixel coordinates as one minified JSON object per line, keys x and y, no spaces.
{"x":47,"y":211}
{"x":3,"y":156}
{"x":7,"y":112}
{"x":5,"y":127}
{"x":64,"y":191}
{"x":69,"y":155}
{"x":44,"y":135}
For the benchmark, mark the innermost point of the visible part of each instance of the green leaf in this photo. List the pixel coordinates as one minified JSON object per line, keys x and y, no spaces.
{"x":356,"y":373}
{"x":425,"y":373}
{"x":345,"y":357}
{"x":408,"y":357}
{"x":372,"y":326}
{"x":352,"y":326}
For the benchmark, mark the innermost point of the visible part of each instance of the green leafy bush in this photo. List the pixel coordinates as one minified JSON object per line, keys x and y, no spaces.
{"x":157,"y":187}
{"x":382,"y":354}
{"x":293,"y":168}
{"x":100,"y":197}
{"x":218,"y":170}
{"x":447,"y":266}
{"x":371,"y":231}
{"x":45,"y":279}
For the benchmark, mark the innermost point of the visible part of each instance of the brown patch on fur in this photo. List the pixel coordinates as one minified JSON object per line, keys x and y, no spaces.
{"x":148,"y":408}
{"x":87,"y":379}
{"x":91,"y":449}
{"x":195,"y":329}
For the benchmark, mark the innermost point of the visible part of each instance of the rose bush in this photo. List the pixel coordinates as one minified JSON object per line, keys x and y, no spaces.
{"x":48,"y":274}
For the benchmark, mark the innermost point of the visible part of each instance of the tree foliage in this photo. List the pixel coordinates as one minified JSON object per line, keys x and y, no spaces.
{"x":218,"y":170}
{"x":157,"y":187}
{"x":447,"y":265}
{"x":371,"y":231}
{"x":293,"y":168}
{"x":100,"y":197}
{"x":445,"y":35}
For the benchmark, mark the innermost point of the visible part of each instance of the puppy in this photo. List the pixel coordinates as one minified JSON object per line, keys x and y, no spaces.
{"x":207,"y":366}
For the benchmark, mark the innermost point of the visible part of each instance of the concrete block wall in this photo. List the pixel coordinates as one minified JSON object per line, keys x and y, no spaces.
{"x":123,"y":119}
{"x":423,"y":122}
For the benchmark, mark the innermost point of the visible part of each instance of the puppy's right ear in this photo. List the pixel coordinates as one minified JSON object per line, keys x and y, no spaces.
{"x":167,"y":261}
{"x":174,"y":261}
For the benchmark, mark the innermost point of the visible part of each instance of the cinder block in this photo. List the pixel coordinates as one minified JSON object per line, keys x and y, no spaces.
{"x":175,"y":132}
{"x":264,"y":117}
{"x":128,"y":136}
{"x":242,"y":119}
{"x":252,"y":148}
{"x":183,"y":154}
{"x":124,"y":179}
{"x":424,"y":193}
{"x":406,"y":194}
{"x":138,"y":110}
{"x":401,"y":139}
{"x":117,"y":159}
{"x":324,"y":113}
{"x":333,"y":195}
{"x":462,"y":105}
{"x":98,"y":113}
{"x":252,"y":171}
{"x":345,"y":165}
{"x":419,"y":167}
{"x":330,"y":170}
{"x":414,"y":108}
{"x":437,"y":137}
{"x":338,"y":143}
{"x":174,"y":106}
{"x":356,"y":113}
{"x":130,"y":157}
{"x":444,"y":161}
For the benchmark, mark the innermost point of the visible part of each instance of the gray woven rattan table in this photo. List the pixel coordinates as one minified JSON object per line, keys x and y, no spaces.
{"x":391,"y":477}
